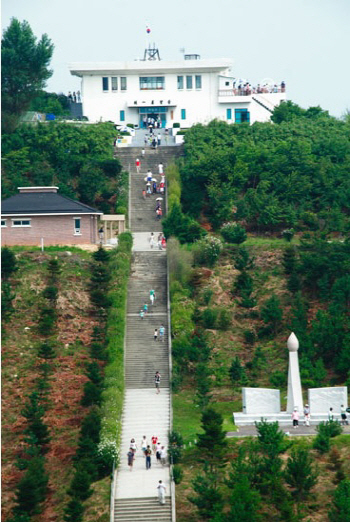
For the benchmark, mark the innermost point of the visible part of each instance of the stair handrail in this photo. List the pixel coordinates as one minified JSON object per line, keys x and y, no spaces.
{"x":257,"y":100}
{"x":114,"y":479}
{"x":172,"y":483}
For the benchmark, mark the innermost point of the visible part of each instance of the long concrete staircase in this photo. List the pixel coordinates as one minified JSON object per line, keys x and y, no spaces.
{"x":145,"y":412}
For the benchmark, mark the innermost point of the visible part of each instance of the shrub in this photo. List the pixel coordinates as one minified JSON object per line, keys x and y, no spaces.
{"x":177,"y":474}
{"x":249,"y":336}
{"x":47,"y":320}
{"x":51,"y":293}
{"x":175,"y":446}
{"x":233,"y":233}
{"x":207,"y":251}
{"x":176,"y":125}
{"x":207,"y":295}
{"x":209,"y":317}
{"x":288,"y":234}
{"x":46,"y":350}
{"x":8,"y":263}
{"x":224,"y":319}
{"x":92,"y":394}
{"x":277,"y":379}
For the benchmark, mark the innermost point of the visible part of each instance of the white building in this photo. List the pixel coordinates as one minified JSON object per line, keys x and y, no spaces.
{"x":186,"y":92}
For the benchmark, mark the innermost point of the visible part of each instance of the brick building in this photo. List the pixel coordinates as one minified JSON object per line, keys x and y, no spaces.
{"x":40,"y":214}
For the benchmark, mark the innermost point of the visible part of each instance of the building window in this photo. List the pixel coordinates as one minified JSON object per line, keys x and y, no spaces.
{"x":77,"y":226}
{"x":21,"y":223}
{"x":198,"y":81}
{"x":123,"y":83}
{"x":180,"y":82}
{"x":183,"y":114}
{"x":242,"y":116}
{"x":3,"y":223}
{"x":105,"y":86}
{"x":227,"y":84}
{"x":152,"y":82}
{"x":188,"y":82}
{"x":229,"y":114}
{"x":122,"y":115}
{"x":114,"y":82}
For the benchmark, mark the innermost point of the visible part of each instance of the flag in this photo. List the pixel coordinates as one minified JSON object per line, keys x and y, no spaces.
{"x":148,"y":30}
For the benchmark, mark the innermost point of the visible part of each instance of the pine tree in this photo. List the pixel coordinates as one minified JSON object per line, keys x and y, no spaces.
{"x":244,"y":502}
{"x":299,"y":473}
{"x":8,"y":263}
{"x":101,"y":255}
{"x":213,"y":442}
{"x":271,"y":313}
{"x":208,"y":498}
{"x":340,"y":510}
{"x":80,"y":486}
{"x":74,"y":511}
{"x":46,"y":350}
{"x":31,"y":489}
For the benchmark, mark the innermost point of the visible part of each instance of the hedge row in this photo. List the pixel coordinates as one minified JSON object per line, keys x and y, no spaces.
{"x":112,"y":396}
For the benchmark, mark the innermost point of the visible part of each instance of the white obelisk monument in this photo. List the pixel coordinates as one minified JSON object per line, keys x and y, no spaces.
{"x":295,"y":396}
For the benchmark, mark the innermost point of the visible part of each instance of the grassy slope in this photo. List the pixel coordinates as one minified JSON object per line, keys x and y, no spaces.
{"x":268,"y":278}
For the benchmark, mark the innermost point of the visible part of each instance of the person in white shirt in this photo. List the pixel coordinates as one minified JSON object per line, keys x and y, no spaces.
{"x":160,"y":168}
{"x":161,"y":492}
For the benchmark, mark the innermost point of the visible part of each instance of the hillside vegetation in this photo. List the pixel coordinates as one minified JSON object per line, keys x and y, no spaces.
{"x":258,"y":247}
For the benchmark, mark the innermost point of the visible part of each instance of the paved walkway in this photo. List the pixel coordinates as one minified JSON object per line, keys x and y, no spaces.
{"x":144,"y":411}
{"x":139,"y":138}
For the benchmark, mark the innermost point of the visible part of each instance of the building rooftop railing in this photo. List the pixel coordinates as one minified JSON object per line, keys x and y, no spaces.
{"x":248,"y":90}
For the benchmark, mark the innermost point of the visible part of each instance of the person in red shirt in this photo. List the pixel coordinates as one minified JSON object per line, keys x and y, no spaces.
{"x":154,"y":440}
{"x":138,"y":165}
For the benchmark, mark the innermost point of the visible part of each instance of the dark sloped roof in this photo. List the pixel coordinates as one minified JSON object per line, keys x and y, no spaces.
{"x":44,"y":203}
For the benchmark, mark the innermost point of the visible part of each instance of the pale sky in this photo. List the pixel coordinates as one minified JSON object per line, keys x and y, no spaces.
{"x":306,"y":43}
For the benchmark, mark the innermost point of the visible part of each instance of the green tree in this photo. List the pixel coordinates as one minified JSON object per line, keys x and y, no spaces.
{"x":74,"y":511}
{"x":80,"y":486}
{"x":245,"y":502}
{"x":8,"y":263}
{"x":25,"y":70}
{"x":31,"y":489}
{"x":212,"y":443}
{"x":340,"y":510}
{"x":271,"y":313}
{"x":300,"y":473}
{"x":208,"y":498}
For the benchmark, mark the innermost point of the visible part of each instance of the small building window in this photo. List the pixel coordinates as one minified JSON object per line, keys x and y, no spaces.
{"x":152,"y":82}
{"x":180,"y":82}
{"x":227,"y":84}
{"x":183,"y":114}
{"x":189,"y":82}
{"x":105,"y":84}
{"x":198,"y":81}
{"x":123,"y":83}
{"x":242,"y":116}
{"x":21,"y":223}
{"x":3,"y":223}
{"x":229,"y":114}
{"x":122,"y":115}
{"x":77,"y":226}
{"x":114,"y":82}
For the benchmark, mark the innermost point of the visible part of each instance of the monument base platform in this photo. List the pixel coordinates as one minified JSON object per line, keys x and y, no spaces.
{"x":283,"y":418}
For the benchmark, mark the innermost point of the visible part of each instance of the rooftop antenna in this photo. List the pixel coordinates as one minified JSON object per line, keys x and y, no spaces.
{"x":152,"y":53}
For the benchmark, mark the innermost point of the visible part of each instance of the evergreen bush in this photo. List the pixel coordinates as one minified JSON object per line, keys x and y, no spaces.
{"x":233,"y":233}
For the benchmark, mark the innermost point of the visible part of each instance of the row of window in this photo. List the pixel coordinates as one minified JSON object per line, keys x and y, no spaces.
{"x":189,"y":82}
{"x":27,"y":223}
{"x":241,"y":115}
{"x":114,"y":83}
{"x":150,"y":82}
